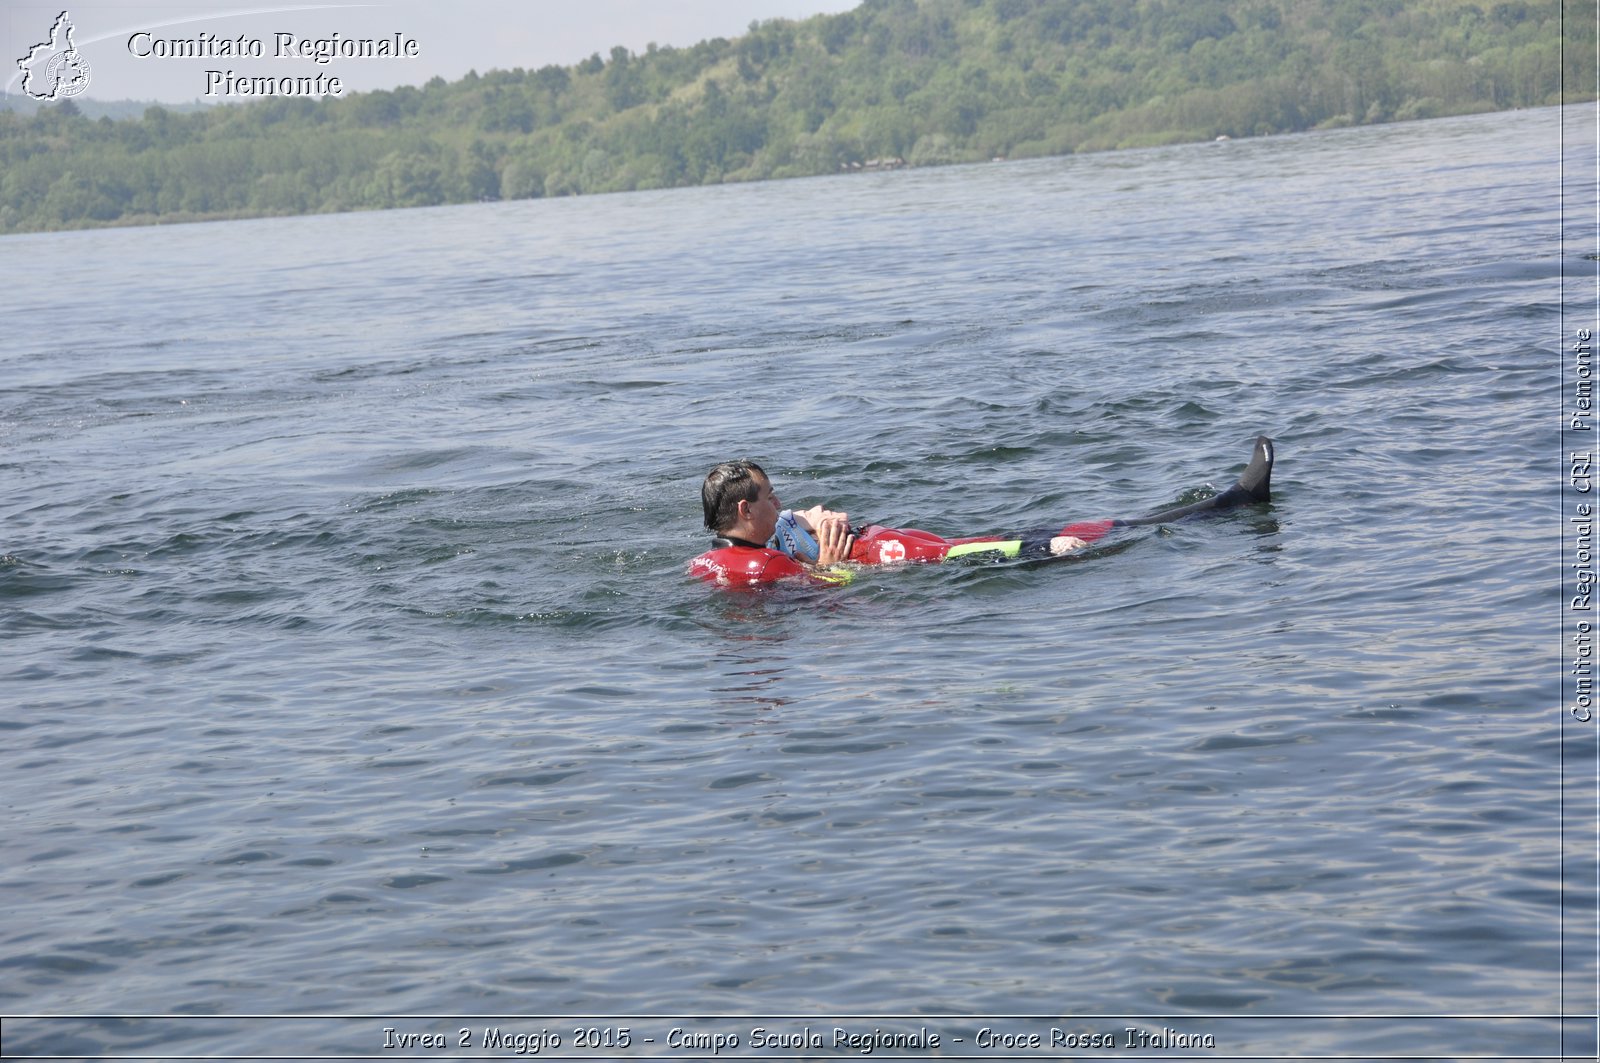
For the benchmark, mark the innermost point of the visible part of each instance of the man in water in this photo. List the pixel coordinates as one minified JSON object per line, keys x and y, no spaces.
{"x":758,"y":537}
{"x":759,"y":541}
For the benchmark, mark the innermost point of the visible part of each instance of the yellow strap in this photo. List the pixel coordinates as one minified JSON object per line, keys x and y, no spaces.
{"x":1009,"y":548}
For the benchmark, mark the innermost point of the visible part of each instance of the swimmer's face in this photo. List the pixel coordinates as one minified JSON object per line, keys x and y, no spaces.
{"x":762,"y":514}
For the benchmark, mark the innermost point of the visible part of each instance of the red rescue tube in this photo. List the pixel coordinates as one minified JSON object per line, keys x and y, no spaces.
{"x":745,"y":566}
{"x":874,"y":545}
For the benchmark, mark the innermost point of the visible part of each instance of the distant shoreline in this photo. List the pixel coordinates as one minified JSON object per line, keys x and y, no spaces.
{"x":895,"y":83}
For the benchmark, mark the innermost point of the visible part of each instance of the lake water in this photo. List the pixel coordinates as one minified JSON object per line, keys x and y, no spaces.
{"x":352,"y":669}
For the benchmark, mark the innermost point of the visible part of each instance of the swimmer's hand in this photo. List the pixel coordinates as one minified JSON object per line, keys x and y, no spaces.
{"x":814,"y":518}
{"x":1065,"y":544}
{"x":834,"y":542}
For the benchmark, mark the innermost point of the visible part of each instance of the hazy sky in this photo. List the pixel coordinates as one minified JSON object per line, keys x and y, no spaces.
{"x":452,"y":37}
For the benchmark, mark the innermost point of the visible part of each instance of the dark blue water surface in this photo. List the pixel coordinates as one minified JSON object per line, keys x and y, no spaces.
{"x":351,"y":667}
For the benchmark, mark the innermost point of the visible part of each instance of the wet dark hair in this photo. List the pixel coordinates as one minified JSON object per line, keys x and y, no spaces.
{"x":725,"y":486}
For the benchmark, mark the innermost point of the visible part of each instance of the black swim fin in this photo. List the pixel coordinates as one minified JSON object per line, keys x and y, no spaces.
{"x":1253,"y":485}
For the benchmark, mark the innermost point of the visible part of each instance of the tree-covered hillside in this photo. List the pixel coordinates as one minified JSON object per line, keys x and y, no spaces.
{"x":921,"y":82}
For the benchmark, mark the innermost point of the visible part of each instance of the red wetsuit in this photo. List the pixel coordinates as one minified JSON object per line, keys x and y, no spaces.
{"x":742,"y":564}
